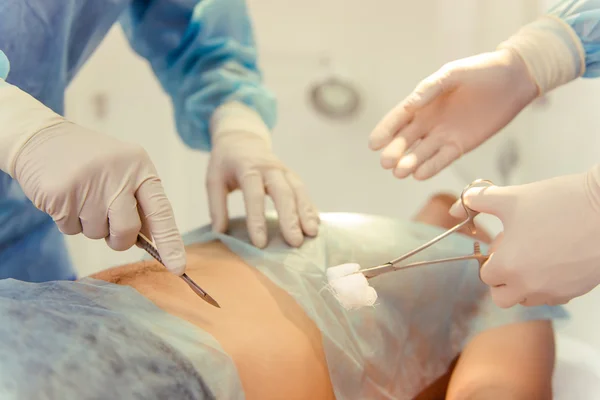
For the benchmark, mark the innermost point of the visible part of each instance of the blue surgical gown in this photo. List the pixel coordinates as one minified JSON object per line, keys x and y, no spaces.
{"x":202,"y":52}
{"x":584,"y":17}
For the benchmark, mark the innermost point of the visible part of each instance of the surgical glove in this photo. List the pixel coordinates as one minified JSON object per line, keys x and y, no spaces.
{"x":549,"y":252}
{"x":87,"y":182}
{"x":244,"y":160}
{"x":452,"y":112}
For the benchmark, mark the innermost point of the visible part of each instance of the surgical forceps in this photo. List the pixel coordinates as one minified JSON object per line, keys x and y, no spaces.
{"x":145,"y":244}
{"x":391,"y":266}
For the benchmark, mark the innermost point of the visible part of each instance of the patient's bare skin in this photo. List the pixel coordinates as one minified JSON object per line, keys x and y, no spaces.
{"x":277,"y":349}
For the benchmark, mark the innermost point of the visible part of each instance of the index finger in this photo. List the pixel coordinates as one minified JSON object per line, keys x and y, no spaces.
{"x":395,"y":120}
{"x":160,"y":222}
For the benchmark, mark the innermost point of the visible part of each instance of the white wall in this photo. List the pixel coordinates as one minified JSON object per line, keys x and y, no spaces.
{"x":384,"y":50}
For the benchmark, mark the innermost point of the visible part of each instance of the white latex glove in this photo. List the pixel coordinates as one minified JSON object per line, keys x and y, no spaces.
{"x":452,"y":112}
{"x":467,"y":101}
{"x":549,"y":251}
{"x":87,"y":182}
{"x":243,"y":159}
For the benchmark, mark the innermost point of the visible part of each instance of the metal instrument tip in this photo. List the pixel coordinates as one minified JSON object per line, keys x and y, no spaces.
{"x":147,"y":245}
{"x":210,"y":300}
{"x":199,"y":291}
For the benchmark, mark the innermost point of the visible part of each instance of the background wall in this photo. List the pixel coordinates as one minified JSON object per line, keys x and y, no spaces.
{"x":384,"y":51}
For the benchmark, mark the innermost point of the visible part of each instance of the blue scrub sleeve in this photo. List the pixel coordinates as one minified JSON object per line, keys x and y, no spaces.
{"x":583,"y":16}
{"x":203,"y":53}
{"x":4,"y":66}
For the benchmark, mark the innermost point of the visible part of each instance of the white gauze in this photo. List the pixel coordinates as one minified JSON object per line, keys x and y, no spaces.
{"x":352,"y":290}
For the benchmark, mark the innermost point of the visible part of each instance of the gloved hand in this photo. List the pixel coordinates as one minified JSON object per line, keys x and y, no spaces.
{"x":86,"y":181}
{"x":452,"y":112}
{"x":467,"y":101}
{"x":244,"y":160}
{"x":549,"y":251}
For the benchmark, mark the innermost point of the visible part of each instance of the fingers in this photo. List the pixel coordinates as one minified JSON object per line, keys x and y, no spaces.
{"x":536,"y":299}
{"x":95,"y":227}
{"x":309,"y":216}
{"x":440,"y":160}
{"x":505,"y":296}
{"x":253,"y":190}
{"x":396,"y":149}
{"x":124,"y":223}
{"x":69,"y":224}
{"x":386,"y":129}
{"x":145,"y":229}
{"x":490,"y":200}
{"x":427,"y":91}
{"x":506,"y":291}
{"x":396,"y":120}
{"x":509,"y":296}
{"x":285,"y":203}
{"x":493,"y":274}
{"x":217,"y":191}
{"x":399,"y":130}
{"x":421,"y":153}
{"x":160,"y":220}
{"x":297,"y":215}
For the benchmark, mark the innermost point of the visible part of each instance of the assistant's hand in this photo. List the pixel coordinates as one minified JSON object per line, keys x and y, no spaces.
{"x":549,"y":252}
{"x":244,"y":160}
{"x":452,"y":112}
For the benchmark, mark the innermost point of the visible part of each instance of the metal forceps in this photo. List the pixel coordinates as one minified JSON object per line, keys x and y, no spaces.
{"x":391,"y":266}
{"x":147,"y":245}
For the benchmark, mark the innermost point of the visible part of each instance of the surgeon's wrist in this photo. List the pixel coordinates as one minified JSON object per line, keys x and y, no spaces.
{"x":523,"y":82}
{"x":238,"y":118}
{"x":551,"y":50}
{"x":21,"y":118}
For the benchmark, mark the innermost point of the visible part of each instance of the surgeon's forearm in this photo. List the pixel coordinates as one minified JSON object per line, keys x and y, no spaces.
{"x":206,"y":62}
{"x":21,"y":117}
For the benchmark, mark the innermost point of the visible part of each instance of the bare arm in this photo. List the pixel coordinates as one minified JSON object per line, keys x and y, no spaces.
{"x":513,"y":362}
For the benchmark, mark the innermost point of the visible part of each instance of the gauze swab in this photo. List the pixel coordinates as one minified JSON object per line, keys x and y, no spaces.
{"x":352,"y":290}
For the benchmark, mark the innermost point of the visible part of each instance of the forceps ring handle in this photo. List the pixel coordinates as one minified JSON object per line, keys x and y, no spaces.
{"x":471,"y":214}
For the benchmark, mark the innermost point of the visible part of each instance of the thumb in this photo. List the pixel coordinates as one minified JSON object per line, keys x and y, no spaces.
{"x":489,"y":200}
{"x":430,"y":88}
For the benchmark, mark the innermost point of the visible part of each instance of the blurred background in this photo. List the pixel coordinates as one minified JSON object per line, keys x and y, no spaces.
{"x":376,"y":54}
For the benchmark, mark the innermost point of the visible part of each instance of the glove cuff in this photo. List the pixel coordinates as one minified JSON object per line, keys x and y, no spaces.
{"x":551,"y":50}
{"x":237,"y":117}
{"x":21,"y":117}
{"x":592,"y":188}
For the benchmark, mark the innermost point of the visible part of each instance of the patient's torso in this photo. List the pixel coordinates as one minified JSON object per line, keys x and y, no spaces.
{"x":288,"y":336}
{"x":277,"y":349}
